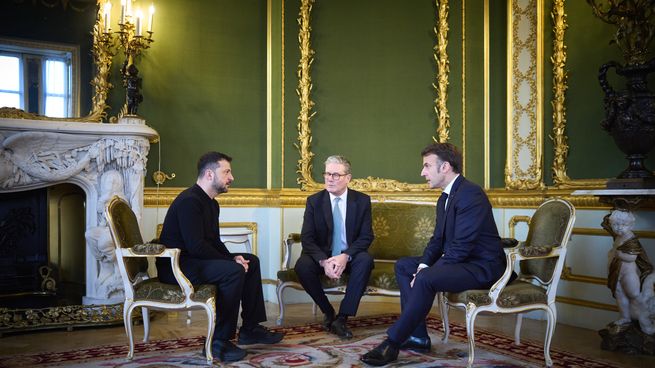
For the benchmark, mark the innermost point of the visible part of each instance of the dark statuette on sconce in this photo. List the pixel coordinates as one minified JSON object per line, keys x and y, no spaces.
{"x":132,"y":83}
{"x":630,"y":112}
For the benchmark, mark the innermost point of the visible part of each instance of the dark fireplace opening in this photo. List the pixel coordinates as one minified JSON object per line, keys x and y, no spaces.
{"x":42,"y":247}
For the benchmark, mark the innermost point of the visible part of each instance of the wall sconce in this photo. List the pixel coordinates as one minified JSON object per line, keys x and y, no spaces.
{"x":132,"y":38}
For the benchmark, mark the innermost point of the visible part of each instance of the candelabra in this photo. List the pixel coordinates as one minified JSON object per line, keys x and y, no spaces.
{"x":131,"y":39}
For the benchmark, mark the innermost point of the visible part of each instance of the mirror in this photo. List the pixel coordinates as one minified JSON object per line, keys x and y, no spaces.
{"x":77,"y":23}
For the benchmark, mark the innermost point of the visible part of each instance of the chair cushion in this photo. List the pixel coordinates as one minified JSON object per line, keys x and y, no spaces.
{"x":148,"y":248}
{"x":382,"y":277}
{"x":156,"y":291}
{"x":516,"y":294}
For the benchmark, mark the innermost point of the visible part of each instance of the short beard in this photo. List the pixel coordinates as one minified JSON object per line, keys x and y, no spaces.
{"x":219,"y":188}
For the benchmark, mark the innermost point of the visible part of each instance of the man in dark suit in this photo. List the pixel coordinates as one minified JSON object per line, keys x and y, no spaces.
{"x":336,"y":234}
{"x":464,"y":253}
{"x":191,"y":224}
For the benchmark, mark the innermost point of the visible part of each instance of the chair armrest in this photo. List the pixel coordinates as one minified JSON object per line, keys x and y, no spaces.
{"x":150,"y":249}
{"x":509,"y":242}
{"x":174,"y":255}
{"x":292,"y":238}
{"x":521,"y":252}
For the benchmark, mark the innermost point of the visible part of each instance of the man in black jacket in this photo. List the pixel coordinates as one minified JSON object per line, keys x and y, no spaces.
{"x":191,"y":224}
{"x":336,"y":234}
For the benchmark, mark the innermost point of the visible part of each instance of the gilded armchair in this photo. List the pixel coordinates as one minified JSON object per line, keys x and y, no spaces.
{"x":541,"y":259}
{"x":149,"y":293}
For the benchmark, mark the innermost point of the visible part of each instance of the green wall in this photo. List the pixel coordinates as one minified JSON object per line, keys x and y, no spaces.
{"x":204,"y":87}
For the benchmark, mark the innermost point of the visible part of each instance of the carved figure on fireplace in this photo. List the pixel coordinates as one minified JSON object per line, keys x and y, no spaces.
{"x":630,"y":274}
{"x":109,"y":283}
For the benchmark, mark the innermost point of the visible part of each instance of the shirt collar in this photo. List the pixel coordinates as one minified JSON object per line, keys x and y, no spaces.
{"x":450,"y":185}
{"x":343,"y":196}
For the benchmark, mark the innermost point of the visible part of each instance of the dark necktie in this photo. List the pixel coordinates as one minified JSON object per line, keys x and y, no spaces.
{"x":441,"y":211}
{"x":337,"y":228}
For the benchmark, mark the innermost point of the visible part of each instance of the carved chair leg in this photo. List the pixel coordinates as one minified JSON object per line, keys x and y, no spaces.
{"x":517,"y":329}
{"x":551,"y":314}
{"x":471,"y":313}
{"x":146,"y":323}
{"x":211,"y":318}
{"x":127,"y":318}
{"x":443,"y":308}
{"x":280,"y":302}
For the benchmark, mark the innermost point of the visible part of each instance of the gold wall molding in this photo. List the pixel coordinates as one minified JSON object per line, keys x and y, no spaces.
{"x":524,"y":165}
{"x":294,"y":198}
{"x":443,"y":71}
{"x":587,"y":303}
{"x":560,"y":85}
{"x":515,"y":220}
{"x":368,"y":184}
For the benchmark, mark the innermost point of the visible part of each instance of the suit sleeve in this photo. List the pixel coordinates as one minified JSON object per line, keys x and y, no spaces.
{"x":470,"y":213}
{"x":309,"y":235}
{"x":365,"y":236}
{"x":193,"y":231}
{"x":433,"y":250}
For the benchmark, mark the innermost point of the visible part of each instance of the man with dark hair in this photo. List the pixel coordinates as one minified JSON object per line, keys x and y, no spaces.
{"x":336,"y":234}
{"x":464,"y":253}
{"x":191,"y":224}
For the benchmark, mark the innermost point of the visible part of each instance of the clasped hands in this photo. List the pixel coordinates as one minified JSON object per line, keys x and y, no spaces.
{"x":242,"y":261}
{"x":334,"y":266}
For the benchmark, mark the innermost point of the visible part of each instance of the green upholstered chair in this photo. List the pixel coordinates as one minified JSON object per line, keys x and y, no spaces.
{"x":541,"y":259}
{"x":148,"y":293}
{"x":401,"y":229}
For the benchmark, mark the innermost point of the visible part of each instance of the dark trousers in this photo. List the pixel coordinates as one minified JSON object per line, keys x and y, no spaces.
{"x":415,"y":302}
{"x":358,"y":269}
{"x":234,"y":287}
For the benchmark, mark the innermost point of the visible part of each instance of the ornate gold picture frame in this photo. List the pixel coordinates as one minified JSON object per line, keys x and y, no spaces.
{"x":369,"y":184}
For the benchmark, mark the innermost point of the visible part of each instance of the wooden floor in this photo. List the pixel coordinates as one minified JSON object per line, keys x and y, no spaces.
{"x":577,"y":340}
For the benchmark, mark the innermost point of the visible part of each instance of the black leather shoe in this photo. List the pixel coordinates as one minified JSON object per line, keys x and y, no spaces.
{"x":420,"y":344}
{"x":327,"y":321}
{"x":383,"y":354}
{"x":258,"y":335}
{"x":340,"y":328}
{"x":226,"y":351}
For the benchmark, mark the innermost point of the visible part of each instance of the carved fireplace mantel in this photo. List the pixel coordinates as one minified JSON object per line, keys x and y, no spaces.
{"x":102,"y":159}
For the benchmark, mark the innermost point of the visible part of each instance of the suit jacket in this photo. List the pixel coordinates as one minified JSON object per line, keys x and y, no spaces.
{"x":467,"y":234}
{"x":317,"y":225}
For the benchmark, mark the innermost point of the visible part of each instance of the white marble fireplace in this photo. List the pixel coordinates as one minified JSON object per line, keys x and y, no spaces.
{"x":102,"y":159}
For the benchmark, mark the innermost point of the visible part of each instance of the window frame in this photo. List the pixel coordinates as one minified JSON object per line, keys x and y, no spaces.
{"x":42,"y":50}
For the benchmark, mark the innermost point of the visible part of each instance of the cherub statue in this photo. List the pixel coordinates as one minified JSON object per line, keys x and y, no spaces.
{"x":630,"y":273}
{"x":108,"y":283}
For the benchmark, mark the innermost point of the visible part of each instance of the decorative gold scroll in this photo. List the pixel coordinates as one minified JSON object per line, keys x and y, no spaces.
{"x":102,"y":56}
{"x":443,"y":70}
{"x":560,"y":77}
{"x":369,"y":184}
{"x":524,"y":96}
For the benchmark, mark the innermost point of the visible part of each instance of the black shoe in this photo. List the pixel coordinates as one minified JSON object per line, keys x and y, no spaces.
{"x":327,"y":321}
{"x":419,"y":344}
{"x":383,"y":354}
{"x":258,"y":335}
{"x":340,"y":329}
{"x":226,"y":351}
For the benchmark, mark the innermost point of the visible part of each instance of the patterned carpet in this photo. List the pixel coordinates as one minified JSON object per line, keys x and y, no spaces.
{"x":308,"y":345}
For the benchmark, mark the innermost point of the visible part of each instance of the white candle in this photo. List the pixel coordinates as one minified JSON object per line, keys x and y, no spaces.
{"x":151,"y":18}
{"x":123,"y":2}
{"x":139,"y":17}
{"x":107,"y":16}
